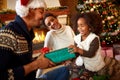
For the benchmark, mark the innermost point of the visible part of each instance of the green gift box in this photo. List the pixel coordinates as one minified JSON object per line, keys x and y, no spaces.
{"x":60,"y":55}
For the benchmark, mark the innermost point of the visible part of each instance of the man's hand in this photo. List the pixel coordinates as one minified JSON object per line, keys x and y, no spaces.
{"x":44,"y":62}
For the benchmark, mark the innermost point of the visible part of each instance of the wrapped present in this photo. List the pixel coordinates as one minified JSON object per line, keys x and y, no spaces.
{"x":44,"y":50}
{"x":60,"y":55}
{"x":107,"y":51}
{"x":116,"y":49}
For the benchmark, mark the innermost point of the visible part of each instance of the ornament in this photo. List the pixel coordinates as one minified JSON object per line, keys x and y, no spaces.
{"x":79,"y":6}
{"x":92,"y":9}
{"x":108,"y":18}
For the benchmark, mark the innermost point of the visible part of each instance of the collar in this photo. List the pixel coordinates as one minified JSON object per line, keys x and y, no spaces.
{"x":22,"y":28}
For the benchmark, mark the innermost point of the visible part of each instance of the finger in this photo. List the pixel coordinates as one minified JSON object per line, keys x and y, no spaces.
{"x":51,"y":63}
{"x":70,"y":50}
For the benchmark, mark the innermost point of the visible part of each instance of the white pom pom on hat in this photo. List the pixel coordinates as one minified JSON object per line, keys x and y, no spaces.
{"x":22,"y":6}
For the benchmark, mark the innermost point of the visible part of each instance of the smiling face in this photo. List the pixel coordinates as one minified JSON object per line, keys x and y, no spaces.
{"x":36,"y":16}
{"x":52,"y":23}
{"x":83,"y":28}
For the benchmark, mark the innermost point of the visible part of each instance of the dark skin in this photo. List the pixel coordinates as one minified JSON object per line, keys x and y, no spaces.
{"x":33,"y":19}
{"x":84,"y":30}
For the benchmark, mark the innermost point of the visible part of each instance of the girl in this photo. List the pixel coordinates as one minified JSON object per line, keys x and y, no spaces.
{"x":88,"y":47}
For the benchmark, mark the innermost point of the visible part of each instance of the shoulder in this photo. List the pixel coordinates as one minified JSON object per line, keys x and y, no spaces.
{"x":7,"y":31}
{"x":93,"y":35}
{"x":77,"y":38}
{"x":8,"y":38}
{"x":67,"y":26}
{"x":49,"y":34}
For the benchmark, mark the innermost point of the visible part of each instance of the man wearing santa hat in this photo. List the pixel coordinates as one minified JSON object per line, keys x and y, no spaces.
{"x":16,"y":45}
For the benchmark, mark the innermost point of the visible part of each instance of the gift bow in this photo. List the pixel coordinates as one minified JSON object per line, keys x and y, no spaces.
{"x":24,"y":2}
{"x":44,"y":50}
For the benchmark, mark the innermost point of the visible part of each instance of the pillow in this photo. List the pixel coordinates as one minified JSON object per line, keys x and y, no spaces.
{"x":60,"y":55}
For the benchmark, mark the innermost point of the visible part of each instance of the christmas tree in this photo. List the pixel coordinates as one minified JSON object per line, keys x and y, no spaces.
{"x":110,"y":13}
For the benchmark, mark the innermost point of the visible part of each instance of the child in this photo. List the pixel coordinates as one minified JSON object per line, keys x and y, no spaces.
{"x":88,"y":47}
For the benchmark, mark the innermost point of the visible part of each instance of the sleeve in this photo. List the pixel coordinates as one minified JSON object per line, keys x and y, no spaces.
{"x":48,"y":40}
{"x":93,"y":48}
{"x":8,"y":71}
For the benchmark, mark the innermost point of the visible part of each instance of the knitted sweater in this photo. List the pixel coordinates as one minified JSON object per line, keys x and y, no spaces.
{"x":15,"y":51}
{"x":56,"y":39}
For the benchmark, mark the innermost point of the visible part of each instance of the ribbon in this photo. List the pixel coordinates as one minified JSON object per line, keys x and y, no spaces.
{"x":44,"y":50}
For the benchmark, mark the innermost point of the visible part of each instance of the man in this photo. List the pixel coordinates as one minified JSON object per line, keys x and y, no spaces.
{"x":16,"y":45}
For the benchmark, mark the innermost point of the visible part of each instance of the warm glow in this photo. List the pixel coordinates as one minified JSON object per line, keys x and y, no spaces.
{"x":39,"y":37}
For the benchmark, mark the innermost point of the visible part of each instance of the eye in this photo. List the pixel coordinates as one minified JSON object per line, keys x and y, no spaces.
{"x":41,"y":12}
{"x":52,"y":19}
{"x":48,"y":24}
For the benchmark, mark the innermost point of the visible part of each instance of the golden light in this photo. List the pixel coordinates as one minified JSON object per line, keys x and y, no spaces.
{"x":39,"y":37}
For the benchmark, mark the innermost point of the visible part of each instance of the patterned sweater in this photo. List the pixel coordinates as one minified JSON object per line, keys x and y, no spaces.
{"x":15,"y":50}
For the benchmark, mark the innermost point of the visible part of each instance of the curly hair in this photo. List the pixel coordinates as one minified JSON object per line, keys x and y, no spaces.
{"x":93,"y":20}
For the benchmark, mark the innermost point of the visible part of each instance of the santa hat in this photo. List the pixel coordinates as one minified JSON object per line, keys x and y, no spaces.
{"x":23,"y":6}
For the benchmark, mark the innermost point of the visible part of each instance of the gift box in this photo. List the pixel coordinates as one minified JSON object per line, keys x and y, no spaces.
{"x":60,"y":55}
{"x":116,"y":49}
{"x":107,"y":51}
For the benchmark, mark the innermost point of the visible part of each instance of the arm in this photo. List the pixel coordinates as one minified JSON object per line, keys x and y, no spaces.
{"x":16,"y":66}
{"x":92,"y":50}
{"x":7,"y":68}
{"x":48,"y":40}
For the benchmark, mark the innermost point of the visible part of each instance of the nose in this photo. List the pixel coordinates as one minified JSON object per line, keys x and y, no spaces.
{"x":52,"y":23}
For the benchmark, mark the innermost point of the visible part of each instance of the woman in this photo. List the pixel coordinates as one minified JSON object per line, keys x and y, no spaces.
{"x":58,"y":36}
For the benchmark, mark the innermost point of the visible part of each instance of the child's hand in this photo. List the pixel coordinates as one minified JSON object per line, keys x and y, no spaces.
{"x":73,"y":48}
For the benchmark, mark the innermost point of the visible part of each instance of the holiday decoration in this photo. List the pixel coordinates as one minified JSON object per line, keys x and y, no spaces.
{"x":60,"y":55}
{"x":110,"y":13}
{"x":44,"y":50}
